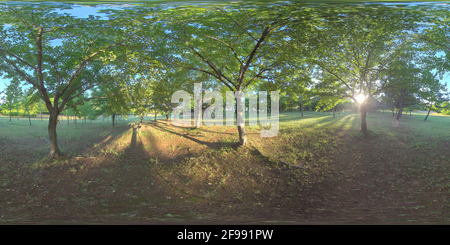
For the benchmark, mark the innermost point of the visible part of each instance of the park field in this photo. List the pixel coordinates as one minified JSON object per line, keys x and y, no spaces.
{"x":318,"y":169}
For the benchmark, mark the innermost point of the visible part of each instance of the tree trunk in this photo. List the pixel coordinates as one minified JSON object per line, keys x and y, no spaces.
{"x":198,"y":105}
{"x":409,"y":112}
{"x":400,"y":110}
{"x":398,"y":113}
{"x":241,"y":127}
{"x":198,"y":117}
{"x":242,"y":135}
{"x":301,"y":106}
{"x":363,"y":119}
{"x":140,"y":122}
{"x":333,"y":112}
{"x":428,"y":113}
{"x":167,"y":113}
{"x":155,"y":115}
{"x":10,"y":114}
{"x":54,"y":150}
{"x":113,"y":116}
{"x":393,"y":112}
{"x":29,"y":116}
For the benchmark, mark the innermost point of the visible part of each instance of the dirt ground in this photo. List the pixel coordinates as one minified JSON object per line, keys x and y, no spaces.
{"x":171,"y":175}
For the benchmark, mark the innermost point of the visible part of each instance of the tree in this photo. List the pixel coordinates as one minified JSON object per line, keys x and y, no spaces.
{"x":327,"y":92}
{"x":13,"y":92}
{"x":436,"y":35}
{"x":140,"y":95}
{"x":434,"y":39}
{"x":87,"y":110}
{"x":446,"y":108}
{"x":436,"y":97}
{"x":82,"y":59}
{"x":114,"y":101}
{"x":166,"y":82}
{"x":235,"y":45}
{"x":408,"y":83}
{"x":28,"y":101}
{"x":2,"y":98}
{"x":40,"y":106}
{"x":360,"y":51}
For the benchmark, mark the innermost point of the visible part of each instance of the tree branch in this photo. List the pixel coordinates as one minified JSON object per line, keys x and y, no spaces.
{"x":338,"y":78}
{"x":83,"y":63}
{"x":433,"y":42}
{"x":237,"y":23}
{"x":81,"y":101}
{"x":18,"y":58}
{"x":258,"y":75}
{"x":255,"y":49}
{"x":19,"y":71}
{"x":66,"y":99}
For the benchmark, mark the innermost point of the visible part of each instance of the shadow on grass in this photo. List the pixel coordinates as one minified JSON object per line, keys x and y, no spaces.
{"x":206,"y":143}
{"x":116,"y":186}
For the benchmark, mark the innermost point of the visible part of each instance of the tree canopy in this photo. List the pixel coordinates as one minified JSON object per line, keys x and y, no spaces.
{"x":135,"y":58}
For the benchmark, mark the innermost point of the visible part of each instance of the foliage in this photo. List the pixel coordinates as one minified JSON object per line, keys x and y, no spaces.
{"x":12,"y":95}
{"x":318,"y":56}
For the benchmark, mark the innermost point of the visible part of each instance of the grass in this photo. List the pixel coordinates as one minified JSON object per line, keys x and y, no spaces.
{"x":397,"y":172}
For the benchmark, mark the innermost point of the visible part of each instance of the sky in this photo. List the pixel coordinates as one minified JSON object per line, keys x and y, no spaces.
{"x":85,"y":11}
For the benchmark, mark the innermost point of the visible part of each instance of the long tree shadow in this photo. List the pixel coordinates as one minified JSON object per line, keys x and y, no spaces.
{"x":312,"y":122}
{"x":94,"y":143}
{"x":381,"y":176}
{"x":71,"y":143}
{"x":140,"y":156}
{"x":133,"y":138}
{"x":217,"y":132}
{"x":114,"y":186}
{"x":206,"y":143}
{"x":338,"y":122}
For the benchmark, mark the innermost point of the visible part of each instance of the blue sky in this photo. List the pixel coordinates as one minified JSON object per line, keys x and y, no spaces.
{"x":85,"y":11}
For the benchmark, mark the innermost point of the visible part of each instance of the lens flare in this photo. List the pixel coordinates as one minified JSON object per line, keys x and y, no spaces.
{"x":360,"y":98}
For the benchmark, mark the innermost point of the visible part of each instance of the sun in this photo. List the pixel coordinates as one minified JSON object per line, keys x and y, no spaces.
{"x":360,"y":98}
